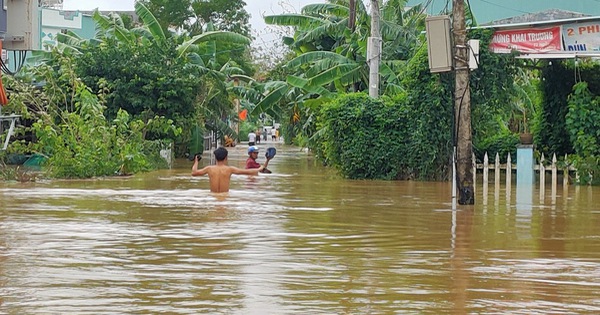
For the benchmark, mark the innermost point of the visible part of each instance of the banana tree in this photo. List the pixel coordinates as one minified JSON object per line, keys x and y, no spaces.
{"x":332,"y":55}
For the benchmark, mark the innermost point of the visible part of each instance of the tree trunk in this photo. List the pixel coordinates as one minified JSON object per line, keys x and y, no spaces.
{"x":352,"y":17}
{"x":462,"y":103}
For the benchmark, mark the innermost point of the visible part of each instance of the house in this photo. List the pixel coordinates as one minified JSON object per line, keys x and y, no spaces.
{"x":53,"y":22}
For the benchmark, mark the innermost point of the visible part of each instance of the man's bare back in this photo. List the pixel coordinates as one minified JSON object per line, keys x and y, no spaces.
{"x":219,"y":175}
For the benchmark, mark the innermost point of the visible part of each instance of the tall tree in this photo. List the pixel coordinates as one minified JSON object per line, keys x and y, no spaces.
{"x":226,"y":15}
{"x":170,"y":13}
{"x":194,"y":15}
{"x":332,"y":55}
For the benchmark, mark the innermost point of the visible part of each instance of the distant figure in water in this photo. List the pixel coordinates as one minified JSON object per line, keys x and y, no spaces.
{"x":219,"y":175}
{"x":251,"y":161}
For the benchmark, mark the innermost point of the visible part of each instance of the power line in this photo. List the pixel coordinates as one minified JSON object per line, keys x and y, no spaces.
{"x":504,"y":7}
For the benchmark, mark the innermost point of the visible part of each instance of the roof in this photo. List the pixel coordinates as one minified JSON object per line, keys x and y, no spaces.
{"x":542,"y":16}
{"x":486,"y":11}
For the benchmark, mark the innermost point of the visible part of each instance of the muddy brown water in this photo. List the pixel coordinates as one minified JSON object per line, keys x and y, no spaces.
{"x":299,"y":241}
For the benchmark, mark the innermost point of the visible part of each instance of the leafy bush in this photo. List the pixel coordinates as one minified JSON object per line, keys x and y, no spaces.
{"x":70,"y":129}
{"x":583,"y":126}
{"x":139,"y":79}
{"x":426,"y":112}
{"x":588,"y":169}
{"x":503,"y":143}
{"x":84,"y":145}
{"x":429,"y":116}
{"x":583,"y":121}
{"x":363,"y":137}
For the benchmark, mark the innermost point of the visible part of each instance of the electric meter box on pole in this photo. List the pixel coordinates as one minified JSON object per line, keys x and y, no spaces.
{"x":3,"y":8}
{"x":22,"y":24}
{"x":439,"y":43}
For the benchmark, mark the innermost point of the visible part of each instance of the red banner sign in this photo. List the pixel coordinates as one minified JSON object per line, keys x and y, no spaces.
{"x":530,"y":40}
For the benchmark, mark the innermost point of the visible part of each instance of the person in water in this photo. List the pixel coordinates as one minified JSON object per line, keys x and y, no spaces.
{"x":251,"y":161}
{"x":219,"y":175}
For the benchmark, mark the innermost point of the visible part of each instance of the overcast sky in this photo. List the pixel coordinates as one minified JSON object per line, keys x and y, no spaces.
{"x":256,"y":8}
{"x":260,"y":8}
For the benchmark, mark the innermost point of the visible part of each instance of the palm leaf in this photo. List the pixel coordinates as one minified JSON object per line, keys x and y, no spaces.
{"x":347,"y":73}
{"x":242,"y":77}
{"x":39,"y":56}
{"x":268,"y":103}
{"x":325,"y":30}
{"x":221,"y":36}
{"x":387,"y":74}
{"x":325,"y":9}
{"x":64,"y":48}
{"x":229,"y":70}
{"x":273,"y":85}
{"x":297,"y":20}
{"x":222,"y":128}
{"x":112,"y":27}
{"x":196,"y":141}
{"x":303,"y":84}
{"x":69,"y":39}
{"x":315,"y":56}
{"x":196,"y":60}
{"x":150,"y":22}
{"x":249,"y":94}
{"x":141,"y":32}
{"x":391,"y":31}
{"x":297,"y":81}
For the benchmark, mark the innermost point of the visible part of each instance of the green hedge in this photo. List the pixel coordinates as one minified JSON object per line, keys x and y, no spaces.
{"x":363,"y":137}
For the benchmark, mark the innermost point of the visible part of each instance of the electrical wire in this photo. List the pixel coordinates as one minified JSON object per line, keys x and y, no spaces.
{"x":19,"y":62}
{"x":504,"y":7}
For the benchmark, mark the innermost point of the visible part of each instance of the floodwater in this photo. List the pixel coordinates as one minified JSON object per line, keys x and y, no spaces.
{"x":298,"y":241}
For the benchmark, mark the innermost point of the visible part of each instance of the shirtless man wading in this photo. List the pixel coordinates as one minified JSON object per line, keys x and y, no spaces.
{"x":219,"y":175}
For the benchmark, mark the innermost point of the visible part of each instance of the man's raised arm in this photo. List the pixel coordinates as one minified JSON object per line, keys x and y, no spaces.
{"x":196,"y":171}
{"x":248,"y":171}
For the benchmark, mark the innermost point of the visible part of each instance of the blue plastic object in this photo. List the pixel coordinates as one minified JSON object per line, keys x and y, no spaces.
{"x":270,"y":153}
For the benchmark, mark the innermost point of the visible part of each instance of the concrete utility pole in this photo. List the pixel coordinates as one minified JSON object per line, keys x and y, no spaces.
{"x":462,"y":105}
{"x":374,"y":51}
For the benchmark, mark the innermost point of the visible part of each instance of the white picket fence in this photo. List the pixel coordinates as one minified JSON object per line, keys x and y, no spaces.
{"x":541,"y":169}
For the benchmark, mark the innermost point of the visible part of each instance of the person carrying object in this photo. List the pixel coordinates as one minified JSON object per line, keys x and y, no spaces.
{"x":251,"y":161}
{"x":219,"y":175}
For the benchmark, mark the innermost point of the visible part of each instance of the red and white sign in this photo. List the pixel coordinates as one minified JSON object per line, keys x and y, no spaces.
{"x":582,"y":36}
{"x":530,"y":40}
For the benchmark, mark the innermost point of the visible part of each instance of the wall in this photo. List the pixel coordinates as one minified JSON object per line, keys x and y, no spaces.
{"x":54,"y":21}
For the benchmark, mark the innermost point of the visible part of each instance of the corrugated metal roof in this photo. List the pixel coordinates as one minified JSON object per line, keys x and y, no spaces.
{"x":486,"y":11}
{"x":542,"y":16}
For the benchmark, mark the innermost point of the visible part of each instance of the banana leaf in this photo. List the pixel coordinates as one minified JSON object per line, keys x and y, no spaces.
{"x":150,"y":22}
{"x":197,"y":141}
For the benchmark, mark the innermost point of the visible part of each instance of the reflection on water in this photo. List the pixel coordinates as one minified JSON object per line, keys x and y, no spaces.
{"x":298,"y":241}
